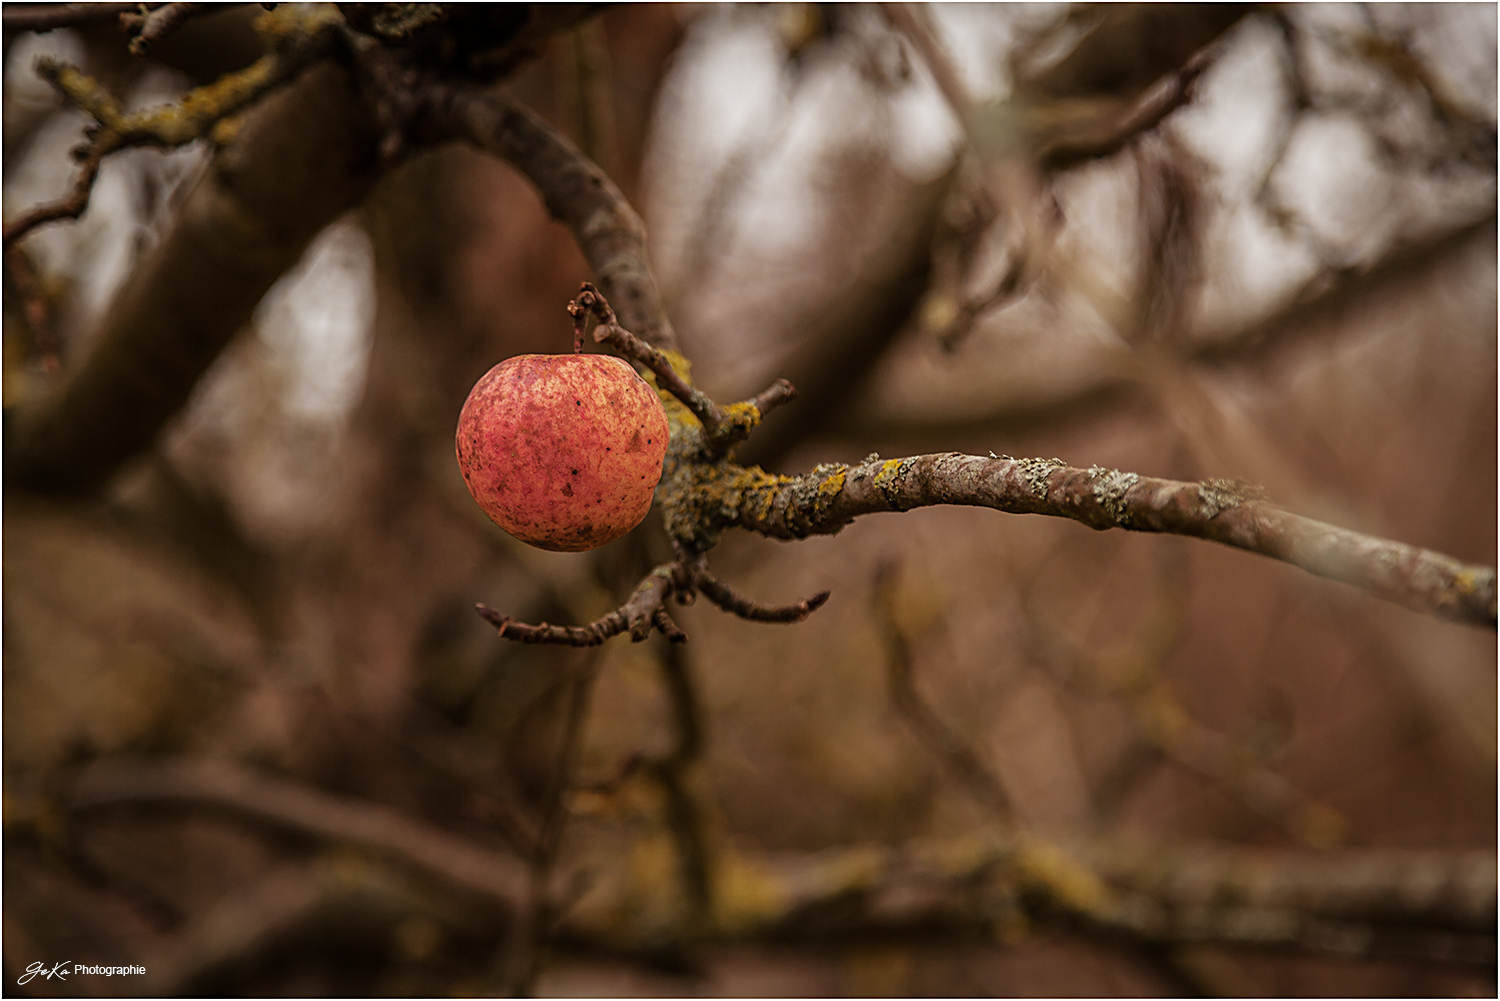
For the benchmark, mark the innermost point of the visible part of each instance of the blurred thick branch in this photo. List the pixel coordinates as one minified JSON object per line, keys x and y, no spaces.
{"x":1432,"y":906}
{"x":1429,"y":906}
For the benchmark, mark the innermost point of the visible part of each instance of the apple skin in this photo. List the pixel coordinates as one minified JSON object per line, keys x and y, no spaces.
{"x":562,"y":451}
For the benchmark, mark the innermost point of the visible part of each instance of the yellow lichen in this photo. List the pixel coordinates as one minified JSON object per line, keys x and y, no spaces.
{"x":1046,"y":869}
{"x":680,"y":365}
{"x":746,"y":895}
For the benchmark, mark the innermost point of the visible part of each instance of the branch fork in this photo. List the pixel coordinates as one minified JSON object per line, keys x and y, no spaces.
{"x":645,"y":610}
{"x":723,"y":427}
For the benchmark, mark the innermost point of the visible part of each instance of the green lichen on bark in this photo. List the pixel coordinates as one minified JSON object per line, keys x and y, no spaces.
{"x":293,"y":33}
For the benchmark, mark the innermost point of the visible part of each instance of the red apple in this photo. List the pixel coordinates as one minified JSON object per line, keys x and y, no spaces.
{"x":562,"y":451}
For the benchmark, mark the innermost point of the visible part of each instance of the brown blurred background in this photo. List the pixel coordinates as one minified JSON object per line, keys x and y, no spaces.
{"x":944,"y":225}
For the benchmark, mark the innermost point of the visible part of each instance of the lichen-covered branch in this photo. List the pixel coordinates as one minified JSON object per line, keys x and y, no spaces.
{"x":302,"y":157}
{"x":831,"y":496}
{"x":702,"y":492}
{"x":295,"y":35}
{"x":1427,"y":906}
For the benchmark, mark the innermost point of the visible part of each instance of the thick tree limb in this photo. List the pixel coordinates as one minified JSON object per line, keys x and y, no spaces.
{"x":822,"y":502}
{"x":1426,"y":906}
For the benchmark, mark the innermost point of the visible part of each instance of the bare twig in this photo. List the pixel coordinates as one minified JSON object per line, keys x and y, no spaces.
{"x":646,"y":609}
{"x":591,"y":302}
{"x":71,"y":206}
{"x":730,"y":600}
{"x":1171,"y":93}
{"x":723,"y":427}
{"x":637,"y":616}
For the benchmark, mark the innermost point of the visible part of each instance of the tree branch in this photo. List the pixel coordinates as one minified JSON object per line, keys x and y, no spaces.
{"x":296,"y":39}
{"x":577,"y":193}
{"x":825,"y":500}
{"x":1426,"y":906}
{"x":303,"y":157}
{"x":646,"y":608}
{"x":299,"y":807}
{"x":152,"y":25}
{"x":41,"y":17}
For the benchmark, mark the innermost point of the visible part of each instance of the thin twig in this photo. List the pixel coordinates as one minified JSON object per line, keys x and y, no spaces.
{"x":71,"y":206}
{"x":152,"y":25}
{"x":646,"y":608}
{"x":1171,"y":93}
{"x":745,"y":607}
{"x":723,"y":427}
{"x":591,"y":302}
{"x":637,"y":616}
